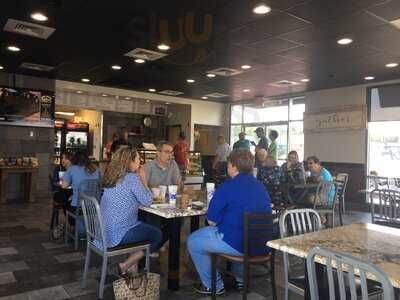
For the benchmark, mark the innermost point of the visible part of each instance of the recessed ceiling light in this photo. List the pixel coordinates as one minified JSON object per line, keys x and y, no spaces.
{"x":245,"y":67}
{"x":152,"y":90}
{"x":127,"y":98}
{"x":64,"y":113}
{"x":1,"y":67}
{"x":79,"y":92}
{"x":261,"y":9}
{"x":139,"y":61}
{"x":190,"y":80}
{"x":305,"y":80}
{"x":204,"y":97}
{"x":210,"y":75}
{"x":149,"y":101}
{"x":344,"y":41}
{"x":13,"y":48}
{"x":38,"y":16}
{"x":85,"y":80}
{"x":163,"y":47}
{"x":104,"y":95}
{"x":369,"y":77}
{"x":167,"y":103}
{"x":246,"y":90}
{"x":116,"y":67}
{"x":391,"y":65}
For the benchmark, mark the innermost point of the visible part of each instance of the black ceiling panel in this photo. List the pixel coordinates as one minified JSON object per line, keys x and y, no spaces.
{"x":296,"y":40}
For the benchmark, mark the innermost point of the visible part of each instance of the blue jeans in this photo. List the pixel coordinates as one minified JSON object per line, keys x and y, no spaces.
{"x":143,"y":232}
{"x":201,"y":244}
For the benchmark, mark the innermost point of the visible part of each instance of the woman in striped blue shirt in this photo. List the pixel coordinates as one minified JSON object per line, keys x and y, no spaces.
{"x":125,"y":189}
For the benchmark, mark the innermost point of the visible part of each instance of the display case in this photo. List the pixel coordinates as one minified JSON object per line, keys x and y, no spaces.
{"x":146,"y":155}
{"x":194,"y":167}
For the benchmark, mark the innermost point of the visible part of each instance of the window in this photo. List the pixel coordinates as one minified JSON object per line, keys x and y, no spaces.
{"x":284,"y":116}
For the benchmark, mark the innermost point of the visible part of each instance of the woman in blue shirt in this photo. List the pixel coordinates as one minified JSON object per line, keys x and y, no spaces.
{"x":81,"y":169}
{"x":243,"y":193}
{"x":319,"y":173}
{"x":125,"y":189}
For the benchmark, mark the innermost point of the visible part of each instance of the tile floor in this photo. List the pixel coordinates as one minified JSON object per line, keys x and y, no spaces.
{"x":33,"y":267}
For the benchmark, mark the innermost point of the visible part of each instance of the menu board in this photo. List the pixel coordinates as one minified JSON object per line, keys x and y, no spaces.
{"x":143,"y":107}
{"x":124,"y":105}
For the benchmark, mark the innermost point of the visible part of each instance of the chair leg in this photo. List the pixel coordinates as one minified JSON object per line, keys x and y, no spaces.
{"x":245,"y":280}
{"x":213,"y":277}
{"x":53,"y":216}
{"x":76,"y":234}
{"x":147,"y":264}
{"x":86,"y":269}
{"x":57,"y":219}
{"x":272,"y":274}
{"x":66,"y":232}
{"x":341,"y":217}
{"x":103,"y":277}
{"x":286,"y":275}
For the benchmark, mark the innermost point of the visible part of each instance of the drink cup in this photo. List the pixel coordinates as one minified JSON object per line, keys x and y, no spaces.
{"x":156,"y":193}
{"x":210,"y":186}
{"x":163,"y":191}
{"x":172,"y":191}
{"x":61,"y":174}
{"x":255,"y":171}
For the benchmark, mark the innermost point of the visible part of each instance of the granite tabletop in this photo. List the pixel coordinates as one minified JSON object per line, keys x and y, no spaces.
{"x":167,"y":211}
{"x":379,"y":245}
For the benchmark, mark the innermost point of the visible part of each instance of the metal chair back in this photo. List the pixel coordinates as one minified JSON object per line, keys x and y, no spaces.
{"x":93,"y":220}
{"x":342,"y":179}
{"x":322,"y":195}
{"x":377,"y":182}
{"x":89,"y":187}
{"x":354,"y":267}
{"x":299,"y":221}
{"x":258,"y":228}
{"x":385,"y":207}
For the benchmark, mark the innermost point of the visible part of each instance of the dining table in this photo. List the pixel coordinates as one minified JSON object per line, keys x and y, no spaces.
{"x":174,"y":216}
{"x":375,"y":244}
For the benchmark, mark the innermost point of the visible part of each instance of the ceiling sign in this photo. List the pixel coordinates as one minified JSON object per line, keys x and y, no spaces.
{"x":335,"y":119}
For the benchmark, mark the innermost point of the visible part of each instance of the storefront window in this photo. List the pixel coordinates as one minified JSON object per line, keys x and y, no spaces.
{"x":286,"y":118}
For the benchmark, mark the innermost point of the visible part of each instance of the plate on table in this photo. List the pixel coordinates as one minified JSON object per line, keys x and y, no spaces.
{"x":198,"y":205}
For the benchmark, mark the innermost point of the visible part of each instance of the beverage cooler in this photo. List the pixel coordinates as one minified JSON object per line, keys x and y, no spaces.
{"x":69,"y":137}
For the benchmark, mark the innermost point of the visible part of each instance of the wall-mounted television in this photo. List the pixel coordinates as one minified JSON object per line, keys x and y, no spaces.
{"x":26,"y":106}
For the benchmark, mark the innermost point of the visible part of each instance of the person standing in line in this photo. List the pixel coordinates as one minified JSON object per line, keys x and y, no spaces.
{"x":242,"y":143}
{"x":181,"y":153}
{"x":220,"y":162}
{"x":262,"y":144}
{"x":107,"y":148}
{"x":273,"y":147}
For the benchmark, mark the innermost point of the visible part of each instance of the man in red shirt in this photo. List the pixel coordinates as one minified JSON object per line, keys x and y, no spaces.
{"x":181,"y":152}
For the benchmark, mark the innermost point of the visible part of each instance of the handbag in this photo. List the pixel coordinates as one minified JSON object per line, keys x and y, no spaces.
{"x":144,"y":286}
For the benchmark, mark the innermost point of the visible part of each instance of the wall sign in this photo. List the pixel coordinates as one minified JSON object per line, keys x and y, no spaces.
{"x":335,"y":119}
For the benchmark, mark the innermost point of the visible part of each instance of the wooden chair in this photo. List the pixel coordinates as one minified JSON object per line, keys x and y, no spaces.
{"x":258,"y":229}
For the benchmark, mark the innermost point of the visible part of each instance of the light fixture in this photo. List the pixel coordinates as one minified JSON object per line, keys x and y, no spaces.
{"x":369,"y":77}
{"x":204,"y":97}
{"x":152,"y":90}
{"x":210,"y":75}
{"x":391,"y":65}
{"x":13,"y":48}
{"x":85,"y":80}
{"x":64,"y":113}
{"x":127,"y":98}
{"x":305,"y":80}
{"x":104,"y":95}
{"x":147,"y":101}
{"x":167,"y":103}
{"x":79,"y":92}
{"x":1,"y":67}
{"x":163,"y":47}
{"x":246,"y":90}
{"x":344,"y":41}
{"x":116,"y":67}
{"x":140,"y":61}
{"x":190,"y":80}
{"x":261,"y":9}
{"x":38,"y":16}
{"x":246,"y":67}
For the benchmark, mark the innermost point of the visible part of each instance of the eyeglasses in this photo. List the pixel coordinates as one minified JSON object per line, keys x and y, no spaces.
{"x":167,"y":152}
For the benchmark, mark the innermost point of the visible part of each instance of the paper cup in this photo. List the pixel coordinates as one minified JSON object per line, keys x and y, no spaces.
{"x":210,"y":186}
{"x":61,"y":174}
{"x":172,"y":192}
{"x":156,"y":192}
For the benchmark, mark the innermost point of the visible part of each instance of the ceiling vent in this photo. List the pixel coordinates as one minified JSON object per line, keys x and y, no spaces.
{"x":145,"y":54}
{"x":36,"y":67}
{"x":226,"y":72}
{"x":216,"y":95}
{"x":284,"y":83}
{"x":171,"y":93}
{"x":30,"y":29}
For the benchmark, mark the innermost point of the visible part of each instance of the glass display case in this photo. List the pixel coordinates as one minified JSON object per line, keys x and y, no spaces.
{"x":195,"y":168}
{"x":146,"y":155}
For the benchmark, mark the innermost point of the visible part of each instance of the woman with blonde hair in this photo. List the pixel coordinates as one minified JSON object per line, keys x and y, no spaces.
{"x":125,"y":189}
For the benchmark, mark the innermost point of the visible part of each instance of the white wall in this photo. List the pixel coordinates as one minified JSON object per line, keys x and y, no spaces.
{"x":338,"y":146}
{"x":202,"y":112}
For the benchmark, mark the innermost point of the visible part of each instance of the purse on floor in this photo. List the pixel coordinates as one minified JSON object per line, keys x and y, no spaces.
{"x":144,"y":286}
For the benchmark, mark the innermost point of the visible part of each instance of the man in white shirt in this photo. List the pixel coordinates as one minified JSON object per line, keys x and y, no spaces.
{"x":221,"y":155}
